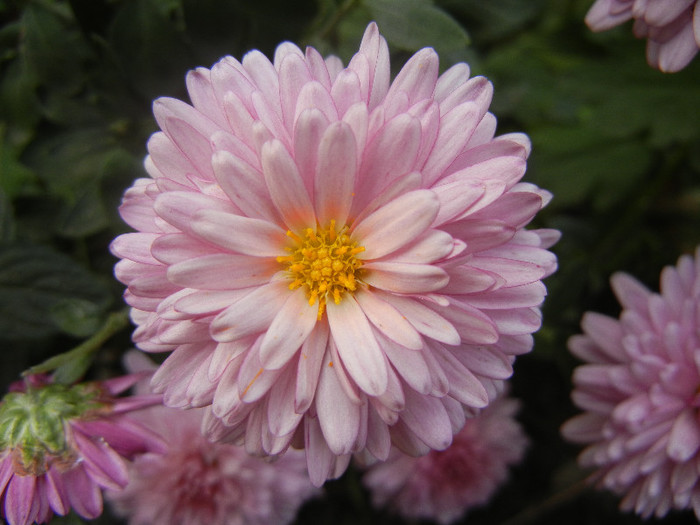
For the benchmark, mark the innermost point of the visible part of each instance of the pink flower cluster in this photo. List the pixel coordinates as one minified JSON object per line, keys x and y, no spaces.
{"x":335,"y":261}
{"x":62,"y":445}
{"x":443,"y":485}
{"x":196,"y":481}
{"x":639,"y":393}
{"x":671,"y":27}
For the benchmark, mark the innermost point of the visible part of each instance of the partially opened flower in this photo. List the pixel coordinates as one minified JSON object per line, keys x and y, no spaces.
{"x":443,"y":485}
{"x":60,"y":445}
{"x":639,"y":390}
{"x":671,"y":27}
{"x":198,"y":482}
{"x":335,"y":261}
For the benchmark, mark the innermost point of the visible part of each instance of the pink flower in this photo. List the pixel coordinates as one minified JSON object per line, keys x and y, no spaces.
{"x":201,"y":482}
{"x":443,"y":485}
{"x":672,"y":27}
{"x":639,"y":390}
{"x":60,"y":445}
{"x":335,"y":261}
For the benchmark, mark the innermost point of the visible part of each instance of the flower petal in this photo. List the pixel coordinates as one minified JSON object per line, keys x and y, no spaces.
{"x":288,"y":330}
{"x":357,"y":346}
{"x":286,"y":187}
{"x":335,"y":174}
{"x":396,"y":223}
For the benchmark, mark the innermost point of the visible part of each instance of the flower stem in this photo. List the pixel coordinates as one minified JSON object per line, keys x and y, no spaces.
{"x":71,"y":365}
{"x":534,"y":513}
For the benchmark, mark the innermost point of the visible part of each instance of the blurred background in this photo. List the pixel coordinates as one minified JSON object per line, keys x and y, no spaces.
{"x":616,"y":142}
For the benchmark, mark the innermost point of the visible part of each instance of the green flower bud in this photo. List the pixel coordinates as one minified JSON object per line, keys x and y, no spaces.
{"x":33,"y":424}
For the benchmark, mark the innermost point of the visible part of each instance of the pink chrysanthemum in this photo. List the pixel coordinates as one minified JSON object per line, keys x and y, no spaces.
{"x":335,"y":261}
{"x":214,"y":483}
{"x":639,"y":390}
{"x":60,"y":445}
{"x":443,"y":485}
{"x":671,"y":27}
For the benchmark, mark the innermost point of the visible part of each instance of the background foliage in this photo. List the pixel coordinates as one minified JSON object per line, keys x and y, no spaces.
{"x":616,"y":142}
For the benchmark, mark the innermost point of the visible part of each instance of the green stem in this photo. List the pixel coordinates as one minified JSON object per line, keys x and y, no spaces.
{"x":534,"y":513}
{"x":73,"y":360}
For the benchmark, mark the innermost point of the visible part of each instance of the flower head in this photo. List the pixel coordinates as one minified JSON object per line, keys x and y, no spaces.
{"x":639,"y":392}
{"x":443,"y":485}
{"x":60,"y":445}
{"x":671,"y":27}
{"x":196,"y":481}
{"x":335,"y":261}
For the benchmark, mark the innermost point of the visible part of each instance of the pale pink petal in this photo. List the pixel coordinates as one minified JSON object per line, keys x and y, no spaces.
{"x":396,"y":223}
{"x":357,"y":346}
{"x":338,"y":416}
{"x":335,"y":174}
{"x":286,"y":187}
{"x":253,"y":236}
{"x":288,"y":330}
{"x":388,"y":320}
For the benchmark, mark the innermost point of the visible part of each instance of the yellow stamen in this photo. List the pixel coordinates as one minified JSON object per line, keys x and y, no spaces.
{"x":323,"y":261}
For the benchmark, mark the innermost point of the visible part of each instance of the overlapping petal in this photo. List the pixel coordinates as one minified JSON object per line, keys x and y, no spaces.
{"x":322,"y":240}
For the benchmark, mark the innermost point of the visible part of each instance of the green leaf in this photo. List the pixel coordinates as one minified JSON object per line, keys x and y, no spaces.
{"x":35,"y":283}
{"x":7,"y":220}
{"x":54,"y":48}
{"x":414,"y":24}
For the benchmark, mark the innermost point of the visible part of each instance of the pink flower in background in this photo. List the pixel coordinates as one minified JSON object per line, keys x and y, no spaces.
{"x":198,"y":482}
{"x":60,"y":445}
{"x":443,"y":485}
{"x":639,"y":390}
{"x":335,"y":261}
{"x":671,"y":27}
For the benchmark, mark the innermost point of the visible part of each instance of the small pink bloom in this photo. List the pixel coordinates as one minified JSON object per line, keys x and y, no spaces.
{"x":639,"y":393}
{"x":60,"y":445}
{"x":672,"y":27}
{"x":196,"y":481}
{"x":443,"y":485}
{"x":336,"y":261}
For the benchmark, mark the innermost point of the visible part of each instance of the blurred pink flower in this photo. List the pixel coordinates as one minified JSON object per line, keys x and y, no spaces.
{"x":201,"y":482}
{"x":60,"y":445}
{"x":335,"y":261}
{"x":443,"y":485}
{"x":639,"y":392}
{"x":672,"y":27}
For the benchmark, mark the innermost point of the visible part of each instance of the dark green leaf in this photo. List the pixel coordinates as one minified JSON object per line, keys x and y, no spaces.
{"x":414,"y":24}
{"x":34,"y":283}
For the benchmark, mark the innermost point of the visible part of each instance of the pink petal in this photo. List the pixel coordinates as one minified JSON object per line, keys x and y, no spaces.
{"x":251,"y":314}
{"x":319,"y":458}
{"x":288,"y":330}
{"x":404,"y":277}
{"x":286,"y":187}
{"x":309,"y":128}
{"x":684,"y":440}
{"x":335,"y":174}
{"x":376,"y":51}
{"x":281,"y":415}
{"x":427,"y":418}
{"x":338,"y":416}
{"x":388,"y":320}
{"x":83,"y":494}
{"x":423,"y":319}
{"x":104,"y":466}
{"x":220,"y":271}
{"x":396,"y":223}
{"x":244,"y":185}
{"x":19,"y":505}
{"x":313,"y":352}
{"x":357,"y":345}
{"x":240,"y":234}
{"x":417,"y":77}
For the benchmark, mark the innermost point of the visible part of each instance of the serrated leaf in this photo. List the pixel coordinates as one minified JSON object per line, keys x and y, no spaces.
{"x":414,"y":24}
{"x":34,"y":281}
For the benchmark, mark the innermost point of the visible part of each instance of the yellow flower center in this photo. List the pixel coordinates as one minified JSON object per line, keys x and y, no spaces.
{"x":324,"y":261}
